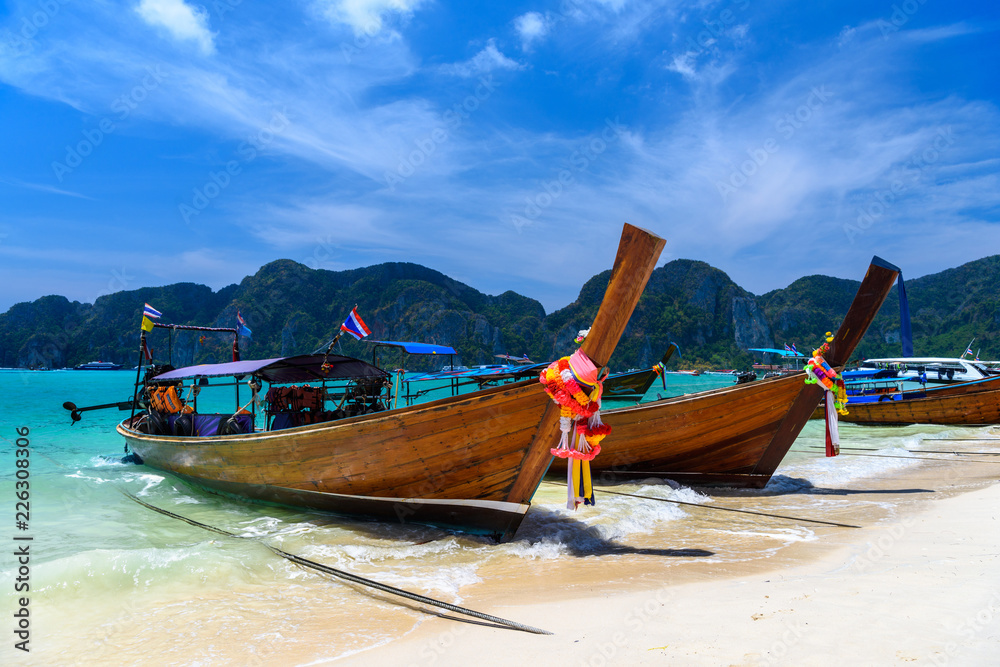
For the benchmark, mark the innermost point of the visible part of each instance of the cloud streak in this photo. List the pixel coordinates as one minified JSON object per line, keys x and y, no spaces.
{"x":740,"y":153}
{"x":184,"y":22}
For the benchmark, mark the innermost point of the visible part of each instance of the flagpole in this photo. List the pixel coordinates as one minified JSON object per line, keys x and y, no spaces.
{"x":138,"y":372}
{"x":340,"y":332}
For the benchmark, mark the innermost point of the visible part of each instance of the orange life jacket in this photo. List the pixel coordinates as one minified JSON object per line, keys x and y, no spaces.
{"x":165,"y":399}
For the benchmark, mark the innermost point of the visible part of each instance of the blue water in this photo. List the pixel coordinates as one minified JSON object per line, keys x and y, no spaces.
{"x":114,"y":583}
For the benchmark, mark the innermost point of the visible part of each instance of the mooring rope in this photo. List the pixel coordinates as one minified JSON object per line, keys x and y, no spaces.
{"x":353,"y":578}
{"x":964,"y":440}
{"x":724,"y":509}
{"x":913,"y":451}
{"x":911,"y":458}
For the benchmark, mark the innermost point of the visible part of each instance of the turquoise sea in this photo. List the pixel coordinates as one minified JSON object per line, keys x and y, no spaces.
{"x":111,"y":582}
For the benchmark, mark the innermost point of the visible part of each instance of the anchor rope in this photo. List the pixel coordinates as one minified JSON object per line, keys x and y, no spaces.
{"x":917,"y":458}
{"x":326,"y":569}
{"x":718,"y":507}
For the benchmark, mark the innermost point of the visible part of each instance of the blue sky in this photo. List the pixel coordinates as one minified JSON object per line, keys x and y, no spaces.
{"x":158,"y":141}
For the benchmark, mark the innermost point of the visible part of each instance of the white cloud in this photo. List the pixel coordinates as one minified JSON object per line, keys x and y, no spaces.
{"x":366,"y":16}
{"x":184,"y":22}
{"x":487,"y":60}
{"x":531,"y":27}
{"x":683,"y":65}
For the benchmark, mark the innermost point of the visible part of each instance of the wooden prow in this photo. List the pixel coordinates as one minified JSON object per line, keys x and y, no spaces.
{"x":638,"y":252}
{"x":874,"y":288}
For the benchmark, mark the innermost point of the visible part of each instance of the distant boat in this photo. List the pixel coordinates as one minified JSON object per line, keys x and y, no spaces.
{"x":777,"y":363}
{"x":98,"y":366}
{"x":633,"y":385}
{"x":941,"y":370}
{"x":967,"y":404}
{"x":628,"y":386}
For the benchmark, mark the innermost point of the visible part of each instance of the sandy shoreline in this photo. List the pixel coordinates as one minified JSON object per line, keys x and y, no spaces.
{"x":923,"y":588}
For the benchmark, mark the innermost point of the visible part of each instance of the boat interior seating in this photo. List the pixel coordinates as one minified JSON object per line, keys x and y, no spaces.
{"x":291,"y":406}
{"x":192,"y":424}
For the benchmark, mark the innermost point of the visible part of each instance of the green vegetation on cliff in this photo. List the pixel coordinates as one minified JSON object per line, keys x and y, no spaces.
{"x":293,"y":309}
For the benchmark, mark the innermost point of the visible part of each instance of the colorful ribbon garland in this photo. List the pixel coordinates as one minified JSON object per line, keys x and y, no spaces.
{"x":818,"y":371}
{"x":575,"y":383}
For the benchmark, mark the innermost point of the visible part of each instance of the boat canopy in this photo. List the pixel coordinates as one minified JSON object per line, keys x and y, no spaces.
{"x":281,"y":370}
{"x":415,"y":348}
{"x":780,"y":353}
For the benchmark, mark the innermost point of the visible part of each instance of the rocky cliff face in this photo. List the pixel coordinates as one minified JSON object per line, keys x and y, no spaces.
{"x":293,"y":309}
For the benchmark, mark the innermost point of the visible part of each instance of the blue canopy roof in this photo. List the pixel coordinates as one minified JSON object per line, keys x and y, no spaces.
{"x":416,"y":348}
{"x":781,"y":353}
{"x":301,"y":368}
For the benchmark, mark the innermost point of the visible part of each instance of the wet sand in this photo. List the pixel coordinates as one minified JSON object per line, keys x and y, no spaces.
{"x":918,"y":583}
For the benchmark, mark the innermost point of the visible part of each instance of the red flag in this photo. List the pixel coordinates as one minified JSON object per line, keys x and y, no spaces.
{"x":236,"y":349}
{"x":145,"y":350}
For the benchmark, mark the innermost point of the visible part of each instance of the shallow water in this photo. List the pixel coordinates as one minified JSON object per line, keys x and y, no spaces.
{"x":112,"y":582}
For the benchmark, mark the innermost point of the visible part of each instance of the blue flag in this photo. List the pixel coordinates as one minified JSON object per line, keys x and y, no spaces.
{"x":242,"y":329}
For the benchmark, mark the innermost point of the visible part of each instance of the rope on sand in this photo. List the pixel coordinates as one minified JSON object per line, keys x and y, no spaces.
{"x":724,"y":509}
{"x":911,"y":458}
{"x":353,"y":578}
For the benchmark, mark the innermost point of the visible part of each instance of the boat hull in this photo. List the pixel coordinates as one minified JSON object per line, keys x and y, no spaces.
{"x":734,"y":436}
{"x":470,"y":472}
{"x":967,"y":404}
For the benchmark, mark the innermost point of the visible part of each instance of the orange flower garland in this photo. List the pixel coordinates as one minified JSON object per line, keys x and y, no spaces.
{"x":575,"y":384}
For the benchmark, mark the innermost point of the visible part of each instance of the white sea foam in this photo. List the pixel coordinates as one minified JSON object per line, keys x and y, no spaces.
{"x":105,"y":461}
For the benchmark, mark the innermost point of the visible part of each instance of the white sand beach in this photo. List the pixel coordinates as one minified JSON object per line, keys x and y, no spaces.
{"x":923,"y":589}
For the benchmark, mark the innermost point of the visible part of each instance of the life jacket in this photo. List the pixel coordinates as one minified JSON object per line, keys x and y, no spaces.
{"x":165,"y":399}
{"x":154,"y":399}
{"x":312,"y":398}
{"x":278,"y":398}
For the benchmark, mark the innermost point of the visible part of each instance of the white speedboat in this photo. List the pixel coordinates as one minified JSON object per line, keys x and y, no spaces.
{"x":928,"y":369}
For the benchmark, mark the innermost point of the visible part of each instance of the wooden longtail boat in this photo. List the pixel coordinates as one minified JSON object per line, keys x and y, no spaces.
{"x":633,"y":385}
{"x":627,"y":386}
{"x":966,"y":404}
{"x":469,"y":462}
{"x":735,"y":436}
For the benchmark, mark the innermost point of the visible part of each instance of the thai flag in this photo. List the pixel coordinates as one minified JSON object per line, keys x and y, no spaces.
{"x":787,"y":349}
{"x":355,"y":326}
{"x":242,"y":329}
{"x":968,"y":350}
{"x":149,"y":311}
